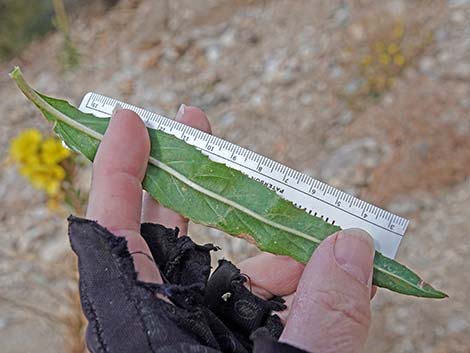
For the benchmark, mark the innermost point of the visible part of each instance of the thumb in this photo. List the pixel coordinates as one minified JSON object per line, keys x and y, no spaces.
{"x":331,"y":310}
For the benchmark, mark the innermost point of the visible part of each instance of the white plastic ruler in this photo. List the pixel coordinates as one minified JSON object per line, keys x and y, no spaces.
{"x":315,"y":197}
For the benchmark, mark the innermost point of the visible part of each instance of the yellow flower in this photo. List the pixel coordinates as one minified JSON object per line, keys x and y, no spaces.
{"x":25,"y":145}
{"x":393,"y":48}
{"x":39,"y":161}
{"x":52,"y":151}
{"x":384,"y":59}
{"x":52,"y":187}
{"x":399,"y":60}
{"x":54,"y":203}
{"x":398,"y":31}
{"x":379,"y":47}
{"x":45,"y":177}
{"x":29,"y":165}
{"x":366,"y":60}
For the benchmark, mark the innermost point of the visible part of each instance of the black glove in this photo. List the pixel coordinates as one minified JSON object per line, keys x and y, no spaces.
{"x":127,"y":316}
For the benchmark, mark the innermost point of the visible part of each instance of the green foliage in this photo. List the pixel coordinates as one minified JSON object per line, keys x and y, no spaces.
{"x":183,"y":179}
{"x":22,"y":21}
{"x":68,"y":56}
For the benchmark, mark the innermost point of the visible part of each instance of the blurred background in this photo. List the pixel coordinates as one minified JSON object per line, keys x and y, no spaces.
{"x":370,"y":96}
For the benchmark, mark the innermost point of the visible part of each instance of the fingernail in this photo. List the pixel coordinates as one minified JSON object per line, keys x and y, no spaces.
{"x":180,"y":112}
{"x":354,"y":252}
{"x":117,"y":108}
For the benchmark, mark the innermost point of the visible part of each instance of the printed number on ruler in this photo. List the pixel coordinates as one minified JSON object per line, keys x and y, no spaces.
{"x":315,"y":197}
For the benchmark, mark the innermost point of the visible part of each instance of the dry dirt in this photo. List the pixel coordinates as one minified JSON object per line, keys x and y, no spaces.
{"x":282,"y":78}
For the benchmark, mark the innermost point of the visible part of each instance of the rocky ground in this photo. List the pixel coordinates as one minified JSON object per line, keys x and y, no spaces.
{"x":288,"y":79}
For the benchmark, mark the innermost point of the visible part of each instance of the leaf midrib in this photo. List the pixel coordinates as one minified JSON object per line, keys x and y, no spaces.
{"x":42,"y":104}
{"x":45,"y":106}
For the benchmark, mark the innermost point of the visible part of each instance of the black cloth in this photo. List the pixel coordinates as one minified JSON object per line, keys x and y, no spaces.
{"x":205,"y":315}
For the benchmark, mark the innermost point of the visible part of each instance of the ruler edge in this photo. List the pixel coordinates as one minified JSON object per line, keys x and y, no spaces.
{"x":404,"y":222}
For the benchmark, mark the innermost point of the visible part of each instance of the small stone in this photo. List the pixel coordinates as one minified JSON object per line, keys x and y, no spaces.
{"x":443,"y":57}
{"x":306,"y":99}
{"x":426,"y":64}
{"x":345,"y":118}
{"x":357,"y":31}
{"x":407,"y":345}
{"x":342,"y":15}
{"x":227,"y":39}
{"x":404,"y":205}
{"x":271,"y":69}
{"x":169,"y":54}
{"x":465,"y":102}
{"x":352,"y":87}
{"x":167,"y":96}
{"x":388,"y":99}
{"x":126,"y":87}
{"x":462,"y":70}
{"x":3,"y":323}
{"x":321,"y":86}
{"x":213,"y":53}
{"x":397,"y":7}
{"x":227,"y":119}
{"x":351,"y":163}
{"x":150,"y":59}
{"x":457,"y":324}
{"x":257,"y":100}
{"x":336,"y":72}
{"x":457,"y":16}
{"x":307,"y":50}
{"x":458,"y":3}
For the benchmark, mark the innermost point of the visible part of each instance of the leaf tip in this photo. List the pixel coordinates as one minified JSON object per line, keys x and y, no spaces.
{"x":15,"y":73}
{"x":441,"y":295}
{"x":432,"y":293}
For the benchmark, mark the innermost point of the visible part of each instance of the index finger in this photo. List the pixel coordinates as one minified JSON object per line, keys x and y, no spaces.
{"x":115,"y":199}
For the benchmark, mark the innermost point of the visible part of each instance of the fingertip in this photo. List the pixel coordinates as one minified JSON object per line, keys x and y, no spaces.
{"x":358,"y":234}
{"x":118,"y":169}
{"x":324,"y":251}
{"x":125,"y":146}
{"x":194,"y":117}
{"x":354,"y":253}
{"x":120,"y":114}
{"x":130,"y":123}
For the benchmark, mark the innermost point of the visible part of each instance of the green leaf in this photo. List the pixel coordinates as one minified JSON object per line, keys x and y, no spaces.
{"x":180,"y":177}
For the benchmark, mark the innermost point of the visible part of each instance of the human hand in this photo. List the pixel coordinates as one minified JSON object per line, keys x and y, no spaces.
{"x":328,"y":301}
{"x":116,"y":201}
{"x":330,"y":310}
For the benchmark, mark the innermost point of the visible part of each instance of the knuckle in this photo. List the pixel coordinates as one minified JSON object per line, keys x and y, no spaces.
{"x":346,"y":307}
